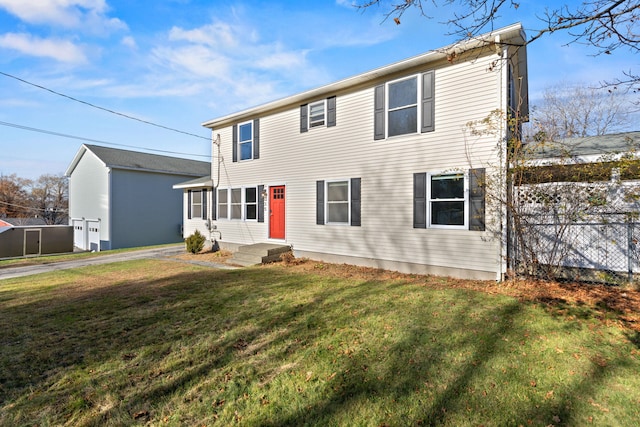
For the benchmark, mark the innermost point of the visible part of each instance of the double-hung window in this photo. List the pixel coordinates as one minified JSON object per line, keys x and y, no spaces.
{"x":337,"y":209}
{"x":223,"y":203}
{"x":245,"y":140}
{"x":447,"y":201}
{"x":402,"y":108}
{"x":250,"y":203}
{"x":197,"y":204}
{"x":338,"y":202}
{"x":317,"y":114}
{"x":236,"y":203}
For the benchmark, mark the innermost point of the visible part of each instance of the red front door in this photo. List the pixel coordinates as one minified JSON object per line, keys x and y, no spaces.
{"x":276,"y":212}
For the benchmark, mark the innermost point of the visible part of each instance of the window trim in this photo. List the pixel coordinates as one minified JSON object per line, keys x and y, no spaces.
{"x":348,"y":202}
{"x":246,"y":204}
{"x":241,"y":142}
{"x":465,"y":199}
{"x":243,"y":203}
{"x":417,"y":104}
{"x":310,"y":123}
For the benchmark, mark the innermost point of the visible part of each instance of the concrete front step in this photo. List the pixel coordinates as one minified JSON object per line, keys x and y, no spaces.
{"x":259,"y":253}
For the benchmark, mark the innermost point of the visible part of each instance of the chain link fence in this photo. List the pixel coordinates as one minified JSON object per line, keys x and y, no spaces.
{"x":602,"y":249}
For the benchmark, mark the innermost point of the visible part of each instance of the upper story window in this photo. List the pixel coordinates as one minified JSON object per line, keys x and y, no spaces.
{"x":318,"y":114}
{"x":246,"y":141}
{"x":404,"y":106}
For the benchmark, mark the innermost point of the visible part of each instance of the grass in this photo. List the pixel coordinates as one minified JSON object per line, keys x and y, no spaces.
{"x":165,"y":343}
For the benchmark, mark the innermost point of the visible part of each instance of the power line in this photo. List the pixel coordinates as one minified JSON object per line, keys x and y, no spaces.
{"x":32,"y":208}
{"x":102,"y":108}
{"x":64,"y":135}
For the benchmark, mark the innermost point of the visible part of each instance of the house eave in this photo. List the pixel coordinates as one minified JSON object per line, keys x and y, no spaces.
{"x":513,"y":35}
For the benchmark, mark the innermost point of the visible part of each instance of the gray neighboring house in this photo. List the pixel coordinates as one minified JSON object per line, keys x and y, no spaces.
{"x":121,"y":198}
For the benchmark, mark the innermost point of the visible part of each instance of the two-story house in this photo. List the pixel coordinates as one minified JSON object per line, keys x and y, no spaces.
{"x":378,"y":169}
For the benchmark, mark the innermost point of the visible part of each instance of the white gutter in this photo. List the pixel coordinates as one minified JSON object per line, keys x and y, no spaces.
{"x":513,"y":32}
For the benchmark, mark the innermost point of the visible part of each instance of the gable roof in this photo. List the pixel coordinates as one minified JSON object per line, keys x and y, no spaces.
{"x":589,"y":148}
{"x":134,"y":160}
{"x":512,"y":35}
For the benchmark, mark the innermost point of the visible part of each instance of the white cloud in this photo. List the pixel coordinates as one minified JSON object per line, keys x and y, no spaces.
{"x":58,"y":49}
{"x":87,"y":14}
{"x":129,"y":42}
{"x":217,"y":34}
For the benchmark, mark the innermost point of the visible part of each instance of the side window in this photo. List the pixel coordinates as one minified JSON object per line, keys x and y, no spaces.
{"x":449,"y":200}
{"x":338,"y":202}
{"x":196,"y":204}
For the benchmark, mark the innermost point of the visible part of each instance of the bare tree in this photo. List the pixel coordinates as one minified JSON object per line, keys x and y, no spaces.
{"x":605,"y":25}
{"x":14,"y":197}
{"x":569,"y":110}
{"x":49,"y":198}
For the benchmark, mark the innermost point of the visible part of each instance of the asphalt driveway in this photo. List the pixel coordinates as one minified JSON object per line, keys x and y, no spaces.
{"x":163,"y":252}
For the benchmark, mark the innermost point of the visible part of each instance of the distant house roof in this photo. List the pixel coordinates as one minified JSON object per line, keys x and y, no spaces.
{"x":204,"y":181}
{"x":4,"y":224}
{"x":11,"y":222}
{"x":591,"y":147}
{"x":134,"y":160}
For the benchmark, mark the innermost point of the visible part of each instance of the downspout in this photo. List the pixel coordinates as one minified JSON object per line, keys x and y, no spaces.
{"x":214,"y":186}
{"x":504,"y":101}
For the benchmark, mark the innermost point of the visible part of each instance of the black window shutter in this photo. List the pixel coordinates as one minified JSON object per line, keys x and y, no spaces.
{"x":234,"y":147}
{"x":188,"y":204}
{"x":378,"y":118}
{"x":205,"y":214}
{"x":419,"y":200}
{"x":320,"y":202}
{"x":331,"y":111}
{"x":256,"y":139}
{"x":304,"y":120}
{"x":260,"y":203}
{"x":214,"y":203}
{"x":477,"y":199}
{"x":355,"y":202}
{"x":428,"y":111}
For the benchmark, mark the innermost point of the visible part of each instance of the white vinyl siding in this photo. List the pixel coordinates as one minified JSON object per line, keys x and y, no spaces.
{"x":464,"y":92}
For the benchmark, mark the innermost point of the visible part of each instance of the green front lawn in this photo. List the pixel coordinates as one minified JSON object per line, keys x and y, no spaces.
{"x":166,"y":343}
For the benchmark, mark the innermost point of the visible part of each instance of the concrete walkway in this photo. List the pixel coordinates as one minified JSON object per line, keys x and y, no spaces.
{"x":166,"y":252}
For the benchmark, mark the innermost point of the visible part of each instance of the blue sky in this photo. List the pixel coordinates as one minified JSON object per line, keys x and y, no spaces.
{"x":178,"y":63}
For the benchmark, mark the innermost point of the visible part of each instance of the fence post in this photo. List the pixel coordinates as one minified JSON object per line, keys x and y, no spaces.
{"x":630,"y":249}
